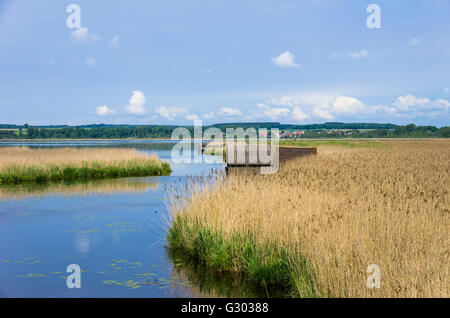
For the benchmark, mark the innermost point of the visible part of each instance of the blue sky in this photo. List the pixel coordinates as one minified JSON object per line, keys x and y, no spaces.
{"x":169,"y":62}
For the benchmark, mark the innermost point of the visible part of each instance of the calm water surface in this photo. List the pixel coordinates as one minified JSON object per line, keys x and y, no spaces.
{"x":113,"y":229}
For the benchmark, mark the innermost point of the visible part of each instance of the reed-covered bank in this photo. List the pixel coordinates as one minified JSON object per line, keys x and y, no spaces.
{"x":26,"y":165}
{"x":316,"y":225}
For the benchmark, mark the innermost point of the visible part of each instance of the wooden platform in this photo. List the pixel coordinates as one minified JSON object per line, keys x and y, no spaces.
{"x":285,"y":154}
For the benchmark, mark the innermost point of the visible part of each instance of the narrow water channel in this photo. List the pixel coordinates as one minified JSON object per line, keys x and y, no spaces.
{"x":113,"y":229}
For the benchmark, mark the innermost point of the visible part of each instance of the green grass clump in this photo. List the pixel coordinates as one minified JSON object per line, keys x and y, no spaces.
{"x":267,"y":265}
{"x":16,"y":174}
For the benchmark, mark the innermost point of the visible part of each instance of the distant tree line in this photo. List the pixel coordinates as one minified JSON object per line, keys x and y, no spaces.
{"x":408,"y":131}
{"x":326,"y":130}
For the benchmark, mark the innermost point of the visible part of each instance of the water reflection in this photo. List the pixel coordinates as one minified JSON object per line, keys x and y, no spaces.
{"x":114,"y":186}
{"x":202,"y":281}
{"x":82,"y":243}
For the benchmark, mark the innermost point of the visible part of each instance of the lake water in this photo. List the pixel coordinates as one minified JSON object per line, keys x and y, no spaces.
{"x":113,"y":229}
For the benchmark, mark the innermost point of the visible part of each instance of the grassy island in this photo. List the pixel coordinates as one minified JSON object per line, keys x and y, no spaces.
{"x":26,"y":165}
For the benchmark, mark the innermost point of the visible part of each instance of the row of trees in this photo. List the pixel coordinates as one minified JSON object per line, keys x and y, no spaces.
{"x":156,"y":131}
{"x":408,"y":131}
{"x":339,"y":125}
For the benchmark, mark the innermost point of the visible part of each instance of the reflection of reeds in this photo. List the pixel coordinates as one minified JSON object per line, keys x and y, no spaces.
{"x":76,"y":188}
{"x":321,"y":220}
{"x":21,"y":164}
{"x":202,"y":281}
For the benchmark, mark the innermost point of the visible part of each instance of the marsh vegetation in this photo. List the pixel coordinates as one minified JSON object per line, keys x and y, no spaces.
{"x":26,"y":165}
{"x":315,"y":226}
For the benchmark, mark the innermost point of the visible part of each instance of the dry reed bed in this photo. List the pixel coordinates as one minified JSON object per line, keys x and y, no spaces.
{"x":22,"y":164}
{"x":343,"y":210}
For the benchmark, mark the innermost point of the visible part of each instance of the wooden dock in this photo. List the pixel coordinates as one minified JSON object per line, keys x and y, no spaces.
{"x":284,"y":154}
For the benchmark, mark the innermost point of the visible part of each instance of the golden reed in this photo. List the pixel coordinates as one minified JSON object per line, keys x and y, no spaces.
{"x":345,"y":209}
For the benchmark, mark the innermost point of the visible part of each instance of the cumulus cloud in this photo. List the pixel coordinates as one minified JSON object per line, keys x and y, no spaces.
{"x":326,"y":107}
{"x":414,"y":42}
{"x":136,"y":104}
{"x":91,"y":61}
{"x":346,"y":104}
{"x":114,"y":41}
{"x":359,"y":54}
{"x":321,"y":113}
{"x":80,"y":34}
{"x":273,"y":113}
{"x":104,"y":111}
{"x":407,"y":102}
{"x":320,"y":106}
{"x":410,"y":106}
{"x":170,"y":112}
{"x":209,"y":115}
{"x":192,"y":117}
{"x":285,"y":59}
{"x":441,"y":103}
{"x":298,"y":114}
{"x":229,"y":111}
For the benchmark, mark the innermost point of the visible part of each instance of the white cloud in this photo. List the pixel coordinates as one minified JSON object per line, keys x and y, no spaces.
{"x":446,"y":90}
{"x":136,"y":104}
{"x":209,"y":115}
{"x":441,"y":103}
{"x":192,"y":117}
{"x":273,"y":112}
{"x":302,"y":99}
{"x":359,"y":54}
{"x":345,"y":104}
{"x":298,"y":114}
{"x":80,"y":35}
{"x":91,"y":61}
{"x":320,"y":106}
{"x":306,"y":105}
{"x":409,"y":106}
{"x":414,"y":42}
{"x":170,"y":112}
{"x":406,"y":102}
{"x":229,"y":111}
{"x":285,"y":59}
{"x":322,"y":113}
{"x":104,"y":111}
{"x":114,"y":41}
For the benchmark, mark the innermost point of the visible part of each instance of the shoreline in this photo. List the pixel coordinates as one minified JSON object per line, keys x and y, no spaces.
{"x":168,"y":139}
